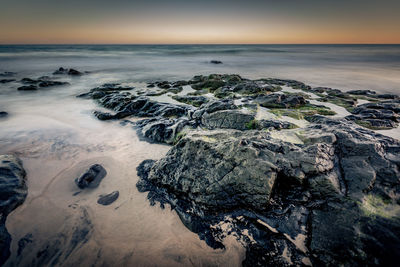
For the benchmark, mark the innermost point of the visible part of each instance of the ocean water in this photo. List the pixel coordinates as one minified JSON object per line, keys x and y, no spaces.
{"x":374,"y":67}
{"x":56,"y":136}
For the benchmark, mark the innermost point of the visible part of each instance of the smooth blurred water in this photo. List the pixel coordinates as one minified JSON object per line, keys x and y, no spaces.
{"x":375,"y":67}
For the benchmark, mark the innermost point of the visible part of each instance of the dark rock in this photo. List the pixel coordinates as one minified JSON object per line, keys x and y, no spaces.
{"x":278,"y":125}
{"x":179,"y":83}
{"x":28,"y":88}
{"x":3,"y":114}
{"x":387,"y":96}
{"x":7,"y":80}
{"x":7,"y":74}
{"x":196,"y":101}
{"x":227,"y":119}
{"x":13,"y":192}
{"x":280,"y":101}
{"x":361,"y":92}
{"x":174,"y":90}
{"x":74,"y":72}
{"x":92,"y":177}
{"x":29,"y":81}
{"x":215,"y":62}
{"x":162,"y":130}
{"x":108,"y":199}
{"x":103,"y":116}
{"x":51,"y":83}
{"x":253,"y":88}
{"x":224,"y":92}
{"x":280,"y":192}
{"x":63,"y":71}
{"x":382,"y":115}
{"x":163,"y":85}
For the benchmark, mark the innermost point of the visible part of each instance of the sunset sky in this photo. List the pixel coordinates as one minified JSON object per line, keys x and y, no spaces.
{"x":206,"y":21}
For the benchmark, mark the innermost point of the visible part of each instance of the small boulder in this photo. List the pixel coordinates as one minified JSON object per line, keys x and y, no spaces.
{"x":215,"y":62}
{"x":27,"y":88}
{"x":3,"y":114}
{"x":108,"y":199}
{"x":74,"y":72}
{"x":7,"y":80}
{"x":92,"y":177}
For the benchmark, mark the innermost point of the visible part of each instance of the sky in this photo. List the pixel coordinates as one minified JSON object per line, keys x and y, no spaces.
{"x":199,"y":22}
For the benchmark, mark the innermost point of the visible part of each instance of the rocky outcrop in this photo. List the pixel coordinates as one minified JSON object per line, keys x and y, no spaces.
{"x":92,"y":177}
{"x":3,"y":114}
{"x":108,"y":199}
{"x":13,"y":192}
{"x":330,"y":198}
{"x":333,"y":200}
{"x":381,"y":115}
{"x":42,"y":82}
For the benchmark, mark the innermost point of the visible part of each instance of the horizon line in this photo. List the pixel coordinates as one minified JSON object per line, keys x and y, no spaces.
{"x":4,"y":44}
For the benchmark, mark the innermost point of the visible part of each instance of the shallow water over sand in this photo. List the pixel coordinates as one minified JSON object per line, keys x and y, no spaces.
{"x":57,"y":138}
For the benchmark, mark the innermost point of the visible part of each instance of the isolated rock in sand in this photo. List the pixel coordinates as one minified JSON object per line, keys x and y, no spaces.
{"x":108,"y":199}
{"x":92,"y":177}
{"x":3,"y":114}
{"x":13,"y":192}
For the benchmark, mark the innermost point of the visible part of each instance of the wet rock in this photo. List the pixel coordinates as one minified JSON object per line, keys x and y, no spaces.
{"x":387,"y":96}
{"x":280,"y":101}
{"x":223,"y":92}
{"x":63,"y":71}
{"x":162,"y":130}
{"x":29,"y":81}
{"x":104,"y":116}
{"x":275,"y":124}
{"x":27,"y":88}
{"x":361,"y":92}
{"x":108,"y":199}
{"x":213,"y":81}
{"x":3,"y":114}
{"x":179,"y":83}
{"x":51,"y":83}
{"x":105,"y":89}
{"x":381,"y":115}
{"x":7,"y":80}
{"x":291,"y":83}
{"x":74,"y":72}
{"x":196,"y":101}
{"x":127,"y":105}
{"x":286,"y":196}
{"x":253,"y":88}
{"x":7,"y":74}
{"x":92,"y":177}
{"x":13,"y":192}
{"x":227,"y":119}
{"x":215,"y":62}
{"x":163,"y":85}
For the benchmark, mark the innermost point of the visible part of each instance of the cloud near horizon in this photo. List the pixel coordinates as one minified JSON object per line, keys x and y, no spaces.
{"x":177,"y":21}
